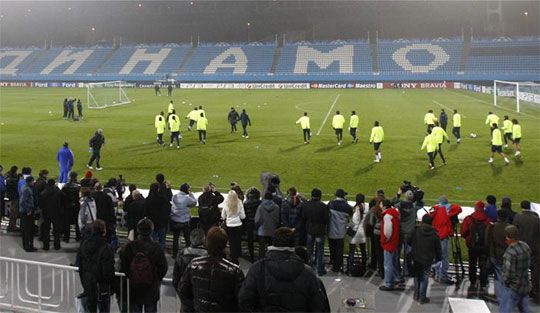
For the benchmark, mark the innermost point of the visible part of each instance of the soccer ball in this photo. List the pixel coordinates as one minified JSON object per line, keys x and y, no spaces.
{"x":472,"y":135}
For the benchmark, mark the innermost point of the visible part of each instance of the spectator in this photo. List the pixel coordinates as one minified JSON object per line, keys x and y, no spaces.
{"x":473,"y":230}
{"x":315,"y":219}
{"x":2,"y":193}
{"x":426,"y":248}
{"x":129,"y":198}
{"x":96,"y":143}
{"x":491,"y":208}
{"x":181,"y":215}
{"x":238,"y":190}
{"x":281,"y":281}
{"x":52,"y":206}
{"x":40,"y":184}
{"x":65,"y":162}
{"x":88,"y":181}
{"x":496,"y":245}
{"x":96,"y":269}
{"x":143,"y":262}
{"x":71,"y":206}
{"x":528,"y":224}
{"x":444,"y":221}
{"x":136,"y":209}
{"x":209,"y":214}
{"x":110,"y":191}
{"x":407,"y":222}
{"x":373,"y":223}
{"x":340,"y":212}
{"x":291,"y":210}
{"x":164,"y":187}
{"x":211,"y":283}
{"x":233,"y":214}
{"x":105,"y":210}
{"x":253,"y":200}
{"x":506,"y":205}
{"x":359,"y":237}
{"x":266,"y":222}
{"x":515,"y":273}
{"x":27,"y":209}
{"x":87,"y":212}
{"x":301,"y":252}
{"x":187,"y":254}
{"x":12,"y":178}
{"x":158,"y":210}
{"x":389,"y":244}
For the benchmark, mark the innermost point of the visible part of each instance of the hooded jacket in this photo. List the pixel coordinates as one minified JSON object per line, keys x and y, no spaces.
{"x":96,"y":264}
{"x":180,"y":209}
{"x":281,"y":282}
{"x":51,"y":204}
{"x":442,"y":220}
{"x":267,"y":218}
{"x":315,"y":217}
{"x":390,"y":230}
{"x":476,"y":217}
{"x":182,"y":261}
{"x":340,"y":211}
{"x":426,"y":245}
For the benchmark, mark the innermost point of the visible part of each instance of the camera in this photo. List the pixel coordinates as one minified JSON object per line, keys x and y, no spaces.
{"x":418,"y":194}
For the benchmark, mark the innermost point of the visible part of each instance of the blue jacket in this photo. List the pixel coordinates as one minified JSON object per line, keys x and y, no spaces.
{"x":244,"y":118}
{"x":491,"y":212}
{"x":26,"y":200}
{"x":65,"y":158}
{"x":443,"y":118}
{"x":180,"y":209}
{"x":2,"y":184}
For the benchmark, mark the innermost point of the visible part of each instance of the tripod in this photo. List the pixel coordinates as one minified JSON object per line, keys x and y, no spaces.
{"x":457,"y":257}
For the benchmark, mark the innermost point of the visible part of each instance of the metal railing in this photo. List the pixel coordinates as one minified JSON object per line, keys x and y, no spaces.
{"x":54,"y":287}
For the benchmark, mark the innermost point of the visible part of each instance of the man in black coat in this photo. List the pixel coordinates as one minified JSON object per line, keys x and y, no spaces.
{"x":95,"y":143}
{"x":96,"y":269}
{"x":105,"y":210}
{"x":71,"y":207}
{"x":52,"y":206}
{"x":315,"y":218}
{"x":281,"y":281}
{"x":158,"y":210}
{"x":426,"y":247}
{"x":209,"y":200}
{"x":196,"y":249}
{"x":211,"y":283}
{"x":144,"y":296}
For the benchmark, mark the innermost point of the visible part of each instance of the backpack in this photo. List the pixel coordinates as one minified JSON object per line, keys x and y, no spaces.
{"x":141,"y":271}
{"x":478,"y":234}
{"x":358,"y":269}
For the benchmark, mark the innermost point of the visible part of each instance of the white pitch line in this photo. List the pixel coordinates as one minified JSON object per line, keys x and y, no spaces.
{"x":328,"y":114}
{"x":446,"y":107}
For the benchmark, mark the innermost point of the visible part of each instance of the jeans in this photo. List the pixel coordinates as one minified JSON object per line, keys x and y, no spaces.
{"x":511,"y":299}
{"x":499,"y":285}
{"x":421,"y":280}
{"x":391,"y":268}
{"x":336,"y":254}
{"x":159,"y":236}
{"x":403,"y":246}
{"x":352,"y":251}
{"x":318,"y":242}
{"x":138,"y":308}
{"x":244,"y":130}
{"x":379,"y":255}
{"x":178,"y":228}
{"x":441,"y":270}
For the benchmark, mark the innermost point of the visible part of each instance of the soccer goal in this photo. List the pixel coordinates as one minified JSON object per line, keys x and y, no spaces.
{"x":106,"y":94}
{"x":513,"y":93}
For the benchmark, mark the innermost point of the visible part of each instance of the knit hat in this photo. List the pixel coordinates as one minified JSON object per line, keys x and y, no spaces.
{"x":184,"y":188}
{"x":88,"y":174}
{"x":511,"y":232}
{"x":479,"y":205}
{"x":316,"y":193}
{"x":409,"y":195}
{"x":443,"y":200}
{"x":145,"y":227}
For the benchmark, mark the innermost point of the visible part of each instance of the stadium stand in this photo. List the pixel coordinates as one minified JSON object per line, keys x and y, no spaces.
{"x":404,"y":59}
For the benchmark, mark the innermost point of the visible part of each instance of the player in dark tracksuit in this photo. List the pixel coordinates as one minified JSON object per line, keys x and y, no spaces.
{"x":79,"y":108}
{"x":95,"y":143}
{"x":443,"y":119}
{"x":233,"y":119}
{"x":65,"y":108}
{"x":244,"y":119}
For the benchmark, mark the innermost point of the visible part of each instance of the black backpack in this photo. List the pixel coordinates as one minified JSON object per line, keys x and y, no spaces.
{"x":478,"y":234}
{"x":358,"y":268}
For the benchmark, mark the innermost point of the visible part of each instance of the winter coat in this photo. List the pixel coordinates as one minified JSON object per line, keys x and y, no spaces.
{"x":96,"y":141}
{"x":52,"y":200}
{"x":528,"y":224}
{"x":182,"y":202}
{"x":135,"y":213}
{"x":407,"y":216}
{"x":26,"y":200}
{"x":442,"y":221}
{"x":105,"y":208}
{"x":425,"y":243}
{"x":358,"y":225}
{"x":71,"y":201}
{"x":87,"y":213}
{"x":96,"y":265}
{"x":250,"y":207}
{"x":210,"y":284}
{"x":158,"y":210}
{"x":496,"y":241}
{"x":182,"y":261}
{"x":267,"y":218}
{"x":281,"y":282}
{"x":390,"y":230}
{"x":153,"y":252}
{"x":340,"y":211}
{"x":315,"y":217}
{"x":209,"y":214}
{"x":11,"y":187}
{"x":233,"y":219}
{"x":476,"y":217}
{"x":491,"y":212}
{"x":291,"y":211}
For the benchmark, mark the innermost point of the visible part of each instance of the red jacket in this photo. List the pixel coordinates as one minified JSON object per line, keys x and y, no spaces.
{"x":441,"y":220}
{"x":391,"y":244}
{"x":478,"y":216}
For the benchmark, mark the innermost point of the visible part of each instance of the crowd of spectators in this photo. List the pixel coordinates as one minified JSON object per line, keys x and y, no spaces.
{"x":290,"y":229}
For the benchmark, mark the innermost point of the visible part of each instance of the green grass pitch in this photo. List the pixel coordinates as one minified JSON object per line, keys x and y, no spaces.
{"x":30,"y":135}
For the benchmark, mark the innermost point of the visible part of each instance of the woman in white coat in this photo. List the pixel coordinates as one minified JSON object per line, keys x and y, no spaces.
{"x":233,"y":213}
{"x":357,"y":233}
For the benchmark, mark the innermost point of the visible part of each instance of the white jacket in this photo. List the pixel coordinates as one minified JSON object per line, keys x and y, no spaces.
{"x":233,"y":219}
{"x":358,"y":225}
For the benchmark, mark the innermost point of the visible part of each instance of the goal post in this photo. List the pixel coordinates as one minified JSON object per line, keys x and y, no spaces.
{"x":106,"y":94}
{"x":515,"y":92}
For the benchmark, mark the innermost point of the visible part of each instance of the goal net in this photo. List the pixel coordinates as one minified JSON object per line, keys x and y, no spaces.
{"x":106,"y":94}
{"x":513,"y":94}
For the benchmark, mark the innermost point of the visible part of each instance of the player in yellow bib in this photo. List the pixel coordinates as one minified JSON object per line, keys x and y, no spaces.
{"x":160,"y":125}
{"x":174,"y":126}
{"x":306,"y":129}
{"x":430,"y":119}
{"x":516,"y":137}
{"x":202,"y":124}
{"x":439,"y":135}
{"x":456,"y":126}
{"x":377,"y":138}
{"x":496,"y":144}
{"x":337,"y":124}
{"x":430,"y":144}
{"x":353,"y":125}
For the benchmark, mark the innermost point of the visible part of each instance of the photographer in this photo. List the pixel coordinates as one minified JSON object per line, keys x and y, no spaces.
{"x":407,"y":211}
{"x":209,"y":214}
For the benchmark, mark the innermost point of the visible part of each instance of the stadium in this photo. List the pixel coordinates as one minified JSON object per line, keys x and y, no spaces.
{"x":388,"y":61}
